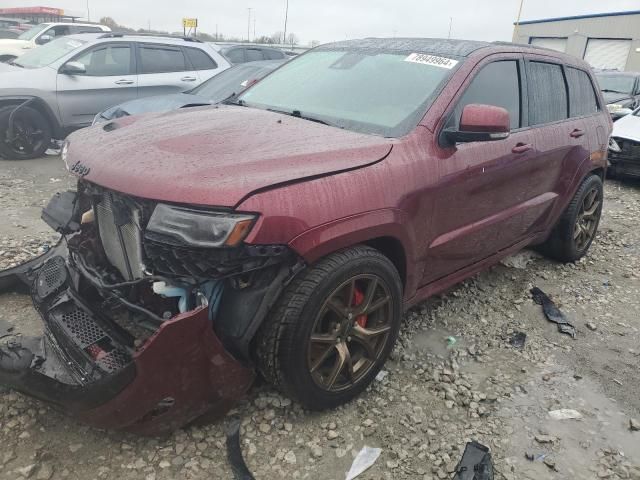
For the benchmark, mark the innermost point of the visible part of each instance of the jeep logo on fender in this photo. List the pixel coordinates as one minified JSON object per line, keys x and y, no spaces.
{"x":79,"y":169}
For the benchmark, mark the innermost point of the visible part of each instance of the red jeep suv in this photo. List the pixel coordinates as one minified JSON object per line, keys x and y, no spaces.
{"x":286,"y":231}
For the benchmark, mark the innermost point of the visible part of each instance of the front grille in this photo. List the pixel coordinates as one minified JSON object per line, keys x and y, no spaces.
{"x":629,"y":150}
{"x":119,"y":227}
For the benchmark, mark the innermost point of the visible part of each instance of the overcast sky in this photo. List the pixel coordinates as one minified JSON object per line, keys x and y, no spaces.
{"x":328,"y":20}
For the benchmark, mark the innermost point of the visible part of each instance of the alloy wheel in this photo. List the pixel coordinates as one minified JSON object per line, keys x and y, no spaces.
{"x":350,"y":332}
{"x":587,"y":220}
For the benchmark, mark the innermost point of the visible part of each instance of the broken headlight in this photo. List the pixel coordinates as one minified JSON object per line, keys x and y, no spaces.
{"x":199,"y":228}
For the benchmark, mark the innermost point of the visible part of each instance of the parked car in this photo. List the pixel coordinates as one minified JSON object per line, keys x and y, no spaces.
{"x":10,"y":49}
{"x":62,"y":85}
{"x":251,"y":53}
{"x":287,"y":232}
{"x":621,"y":91}
{"x":624,"y":146}
{"x":9,"y":33}
{"x":12,"y":23}
{"x":227,"y":84}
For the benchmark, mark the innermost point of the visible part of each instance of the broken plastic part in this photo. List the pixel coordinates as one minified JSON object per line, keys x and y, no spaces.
{"x":552,"y":312}
{"x":167,"y":291}
{"x":518,"y":340}
{"x":62,"y":213}
{"x":476,"y":463}
{"x":234,"y":453}
{"x":363,"y":461}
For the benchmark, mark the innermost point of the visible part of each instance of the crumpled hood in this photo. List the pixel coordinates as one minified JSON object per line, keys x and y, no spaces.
{"x":158,"y":103}
{"x":215,"y":155}
{"x":627,"y":127}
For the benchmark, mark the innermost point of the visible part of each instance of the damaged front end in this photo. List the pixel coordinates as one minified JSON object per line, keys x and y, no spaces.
{"x":149,"y":310}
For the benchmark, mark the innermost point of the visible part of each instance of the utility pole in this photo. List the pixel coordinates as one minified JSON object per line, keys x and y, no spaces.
{"x":515,"y":30}
{"x":249,"y":25}
{"x":450,"y":24}
{"x":88,"y":13}
{"x":254,"y":28}
{"x":216,"y":32}
{"x":149,"y":25}
{"x":286,"y":17}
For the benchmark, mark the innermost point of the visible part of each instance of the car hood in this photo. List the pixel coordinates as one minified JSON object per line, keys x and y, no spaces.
{"x":158,"y":103}
{"x":613,"y":97}
{"x":215,"y":155}
{"x":11,"y":43}
{"x":627,"y":127}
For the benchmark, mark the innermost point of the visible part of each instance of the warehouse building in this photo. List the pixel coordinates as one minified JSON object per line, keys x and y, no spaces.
{"x":605,"y":40}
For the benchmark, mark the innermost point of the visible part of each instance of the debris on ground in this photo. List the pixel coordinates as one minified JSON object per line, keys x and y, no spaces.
{"x":476,"y":463}
{"x":565,"y":414}
{"x":451,"y":341}
{"x":381,"y":375}
{"x":363,"y":461}
{"x":234,"y":453}
{"x":552,"y":312}
{"x":591,"y":326}
{"x":634,"y":425}
{"x":518,"y":340}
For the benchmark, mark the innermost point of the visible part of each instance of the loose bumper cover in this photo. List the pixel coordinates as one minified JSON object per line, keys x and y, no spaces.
{"x":83,"y":365}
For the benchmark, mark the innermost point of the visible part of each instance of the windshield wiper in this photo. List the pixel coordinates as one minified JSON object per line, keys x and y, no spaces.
{"x":233,"y":100}
{"x":298,"y":114}
{"x":606,"y":90}
{"x":15,"y":64}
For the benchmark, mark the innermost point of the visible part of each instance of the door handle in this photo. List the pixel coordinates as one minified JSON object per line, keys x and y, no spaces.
{"x":522,"y":148}
{"x":124,"y":82}
{"x":577,"y":133}
{"x":188,"y":79}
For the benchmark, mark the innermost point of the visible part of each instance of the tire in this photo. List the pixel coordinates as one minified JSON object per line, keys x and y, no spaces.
{"x":31,"y":134}
{"x":284,"y":349}
{"x":563,"y":245}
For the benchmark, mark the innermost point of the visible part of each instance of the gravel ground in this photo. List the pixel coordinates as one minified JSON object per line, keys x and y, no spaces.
{"x":437,"y":393}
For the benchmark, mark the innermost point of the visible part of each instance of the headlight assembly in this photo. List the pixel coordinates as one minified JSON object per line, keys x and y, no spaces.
{"x":200,"y":228}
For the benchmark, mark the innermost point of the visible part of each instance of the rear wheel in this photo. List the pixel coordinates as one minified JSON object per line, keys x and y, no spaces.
{"x":333,"y":328}
{"x":576,"y":229}
{"x":30,"y":136}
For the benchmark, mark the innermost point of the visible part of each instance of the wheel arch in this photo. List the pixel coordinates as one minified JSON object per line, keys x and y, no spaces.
{"x":385,"y":230}
{"x":37,"y":104}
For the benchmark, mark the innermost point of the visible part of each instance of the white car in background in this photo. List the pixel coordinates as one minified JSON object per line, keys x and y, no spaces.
{"x":10,"y":49}
{"x":624,"y":146}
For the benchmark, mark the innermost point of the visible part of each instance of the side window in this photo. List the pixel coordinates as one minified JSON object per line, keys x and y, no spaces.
{"x":156,"y":58}
{"x":273,"y":54}
{"x":200,"y":60}
{"x":107,"y":60}
{"x":582,"y":97}
{"x":547,"y":93}
{"x":236,"y":55}
{"x":254,"y":55}
{"x":497,"y":84}
{"x":84,"y":29}
{"x":58,"y":31}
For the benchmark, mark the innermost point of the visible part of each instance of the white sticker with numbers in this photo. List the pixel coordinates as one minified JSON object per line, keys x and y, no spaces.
{"x":432,"y":60}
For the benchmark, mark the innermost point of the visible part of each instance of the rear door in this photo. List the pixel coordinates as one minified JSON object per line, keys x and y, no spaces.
{"x":202,"y":63}
{"x":164,"y":69}
{"x":109,"y":79}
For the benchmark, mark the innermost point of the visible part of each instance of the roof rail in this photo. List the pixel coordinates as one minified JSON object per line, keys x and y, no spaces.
{"x":161,"y":35}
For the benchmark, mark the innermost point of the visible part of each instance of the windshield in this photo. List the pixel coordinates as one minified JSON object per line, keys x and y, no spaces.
{"x":48,"y":53}
{"x":232,"y":81}
{"x":382,"y":93}
{"x":30,"y":34}
{"x":616,"y":83}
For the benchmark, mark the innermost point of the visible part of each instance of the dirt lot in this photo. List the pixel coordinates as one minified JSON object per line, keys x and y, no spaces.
{"x":436,"y":395}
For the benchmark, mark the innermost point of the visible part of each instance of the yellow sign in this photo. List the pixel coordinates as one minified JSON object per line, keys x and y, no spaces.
{"x":190,"y":22}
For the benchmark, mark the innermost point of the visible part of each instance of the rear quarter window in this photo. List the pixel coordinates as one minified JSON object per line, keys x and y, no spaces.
{"x":200,"y":60}
{"x":547,"y":93}
{"x":582,"y":96}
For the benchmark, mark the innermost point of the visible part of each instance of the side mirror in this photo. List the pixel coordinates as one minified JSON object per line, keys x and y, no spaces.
{"x":42,"y":39}
{"x":481,"y":123}
{"x":73,"y":68}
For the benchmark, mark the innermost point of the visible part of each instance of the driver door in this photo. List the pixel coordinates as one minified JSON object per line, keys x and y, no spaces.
{"x":109,"y":79}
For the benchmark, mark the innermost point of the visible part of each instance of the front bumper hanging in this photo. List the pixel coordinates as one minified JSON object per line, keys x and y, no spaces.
{"x":84,"y":366}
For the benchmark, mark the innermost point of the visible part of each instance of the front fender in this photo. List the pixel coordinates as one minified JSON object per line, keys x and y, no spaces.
{"x":365,"y":227}
{"x":40,"y":105}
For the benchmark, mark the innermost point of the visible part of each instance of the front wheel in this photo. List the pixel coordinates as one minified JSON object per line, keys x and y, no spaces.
{"x":333,"y":328}
{"x":30,"y":136}
{"x":576,"y":229}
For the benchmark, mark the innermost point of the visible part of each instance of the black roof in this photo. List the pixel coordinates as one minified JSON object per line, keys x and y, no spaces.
{"x":439,"y":46}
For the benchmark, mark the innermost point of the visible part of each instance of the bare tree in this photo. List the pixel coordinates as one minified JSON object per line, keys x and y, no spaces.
{"x":276,"y":37}
{"x":314,"y":43}
{"x":292,"y":39}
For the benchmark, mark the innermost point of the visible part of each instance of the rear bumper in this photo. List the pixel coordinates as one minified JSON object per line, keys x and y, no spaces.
{"x":84,"y":366}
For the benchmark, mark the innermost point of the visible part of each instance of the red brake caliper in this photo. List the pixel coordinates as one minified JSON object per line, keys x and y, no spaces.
{"x":358,"y":298}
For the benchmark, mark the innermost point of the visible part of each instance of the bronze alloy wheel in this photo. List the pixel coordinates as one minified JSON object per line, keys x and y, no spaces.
{"x":587,"y":219}
{"x":350,"y":332}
